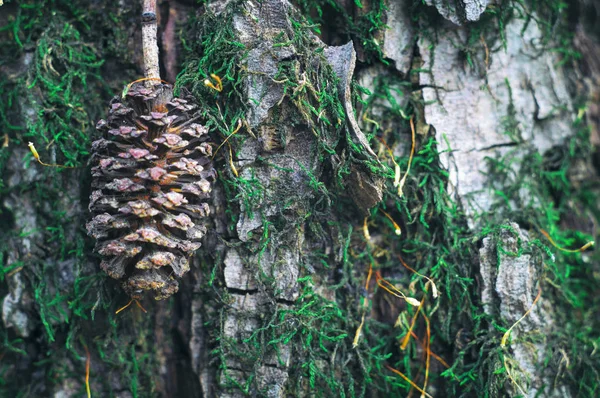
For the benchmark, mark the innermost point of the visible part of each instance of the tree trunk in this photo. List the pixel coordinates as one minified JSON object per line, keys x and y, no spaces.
{"x":403,"y":191}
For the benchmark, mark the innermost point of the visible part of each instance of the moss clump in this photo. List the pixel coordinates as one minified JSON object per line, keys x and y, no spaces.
{"x":364,"y":27}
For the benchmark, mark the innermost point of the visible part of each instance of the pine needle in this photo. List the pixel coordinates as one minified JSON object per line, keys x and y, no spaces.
{"x":433,"y":354}
{"x":140,"y":306}
{"x":124,"y":307}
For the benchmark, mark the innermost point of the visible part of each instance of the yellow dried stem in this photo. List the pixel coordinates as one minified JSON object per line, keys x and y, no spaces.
{"x":233,"y":169}
{"x":434,"y":290}
{"x":239,"y":126}
{"x":582,"y":248}
{"x":396,"y":166}
{"x":88,"y":361}
{"x":397,"y":229}
{"x":366,"y":230}
{"x":218,"y":87}
{"x":358,"y":332}
{"x":366,"y":119}
{"x":512,"y":378}
{"x":487,"y":51}
{"x":409,"y":381}
{"x":433,"y":354}
{"x":365,"y":302}
{"x":427,"y":351}
{"x":507,"y":333}
{"x":36,"y":155}
{"x":406,"y":338}
{"x":412,"y":152}
{"x":394,"y":291}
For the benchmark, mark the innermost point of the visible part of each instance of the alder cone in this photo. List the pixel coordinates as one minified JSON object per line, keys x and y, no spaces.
{"x":152,"y":174}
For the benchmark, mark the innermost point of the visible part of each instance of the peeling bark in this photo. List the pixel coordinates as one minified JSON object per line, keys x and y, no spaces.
{"x":515,"y":99}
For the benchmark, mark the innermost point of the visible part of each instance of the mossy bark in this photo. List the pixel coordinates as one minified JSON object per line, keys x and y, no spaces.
{"x":312,"y":210}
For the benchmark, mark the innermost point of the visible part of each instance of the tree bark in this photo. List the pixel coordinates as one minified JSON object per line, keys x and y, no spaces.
{"x":326,"y":222}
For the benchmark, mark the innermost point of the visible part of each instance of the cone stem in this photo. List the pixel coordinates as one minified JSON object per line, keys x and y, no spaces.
{"x":149,"y":39}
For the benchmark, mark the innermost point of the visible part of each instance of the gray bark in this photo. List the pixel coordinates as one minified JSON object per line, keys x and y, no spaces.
{"x":282,"y":169}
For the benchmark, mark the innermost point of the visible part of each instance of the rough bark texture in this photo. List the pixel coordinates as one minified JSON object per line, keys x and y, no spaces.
{"x":288,"y":295}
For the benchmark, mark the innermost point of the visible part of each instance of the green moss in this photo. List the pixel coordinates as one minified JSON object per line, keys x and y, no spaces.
{"x":364,"y":27}
{"x":52,"y":92}
{"x":63,"y":92}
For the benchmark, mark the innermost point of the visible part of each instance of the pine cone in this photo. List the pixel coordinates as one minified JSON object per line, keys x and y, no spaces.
{"x":152,"y":173}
